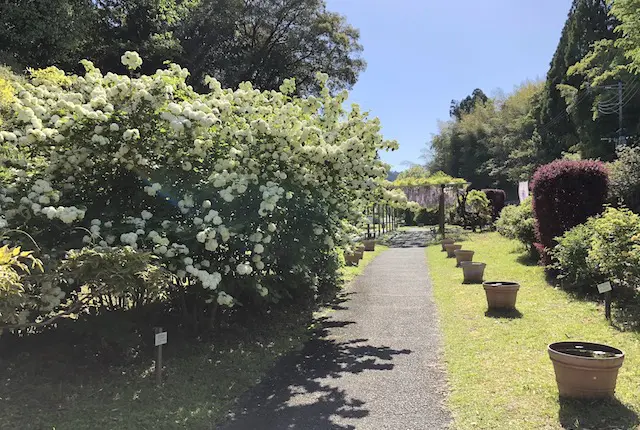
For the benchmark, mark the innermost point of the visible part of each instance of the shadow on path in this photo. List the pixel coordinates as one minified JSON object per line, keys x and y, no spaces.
{"x":299,"y":393}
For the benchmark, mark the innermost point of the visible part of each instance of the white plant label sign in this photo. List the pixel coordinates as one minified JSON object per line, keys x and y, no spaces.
{"x":604,"y":287}
{"x":161,"y":338}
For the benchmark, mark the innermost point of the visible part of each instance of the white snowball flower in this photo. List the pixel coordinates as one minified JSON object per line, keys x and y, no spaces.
{"x":201,"y":237}
{"x":225,"y":299}
{"x":244,"y":269}
{"x":131,"y":59}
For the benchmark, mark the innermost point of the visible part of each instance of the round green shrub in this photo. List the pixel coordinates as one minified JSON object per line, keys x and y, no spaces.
{"x":517,"y":222}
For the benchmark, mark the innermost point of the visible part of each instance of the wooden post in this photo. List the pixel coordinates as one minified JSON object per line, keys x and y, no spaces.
{"x":385,"y":228}
{"x":393,"y":218}
{"x":607,"y":305}
{"x":158,"y":359}
{"x":442,"y":210}
{"x":379,"y":221}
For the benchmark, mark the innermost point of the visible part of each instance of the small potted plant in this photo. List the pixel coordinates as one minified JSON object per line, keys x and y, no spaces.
{"x":585,"y":369}
{"x":351,"y":259}
{"x":369,"y":244}
{"x":501,"y":294}
{"x":446,"y":242}
{"x":450,"y":247}
{"x":463,"y":255}
{"x":473,"y":272}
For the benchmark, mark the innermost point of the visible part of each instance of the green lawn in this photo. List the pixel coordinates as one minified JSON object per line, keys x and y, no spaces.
{"x":500,"y":375}
{"x":51,"y":383}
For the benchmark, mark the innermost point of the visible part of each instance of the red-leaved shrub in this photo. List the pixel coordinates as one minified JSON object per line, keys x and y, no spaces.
{"x":565,"y":194}
{"x":497,"y":199}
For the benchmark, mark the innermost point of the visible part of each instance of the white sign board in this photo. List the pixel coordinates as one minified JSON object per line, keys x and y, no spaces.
{"x":604,"y":287}
{"x":523,"y":190}
{"x":161,"y":338}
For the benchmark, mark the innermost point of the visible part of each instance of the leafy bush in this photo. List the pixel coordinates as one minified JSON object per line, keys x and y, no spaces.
{"x":606,"y":247}
{"x":576,"y":270}
{"x":517,"y":222}
{"x":426,"y":217}
{"x":16,"y":295}
{"x":496,"y":198}
{"x":624,"y":179}
{"x":243,"y":195}
{"x":565,"y":194}
{"x":615,"y":247}
{"x":473,"y":210}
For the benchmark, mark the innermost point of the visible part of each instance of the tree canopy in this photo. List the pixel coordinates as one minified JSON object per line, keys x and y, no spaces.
{"x":261,"y":41}
{"x":496,"y":142}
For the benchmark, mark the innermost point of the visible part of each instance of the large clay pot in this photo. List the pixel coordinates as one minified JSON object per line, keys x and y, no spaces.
{"x":369,"y":244}
{"x":446,"y":242}
{"x":501,"y":294}
{"x":463,"y":255}
{"x":450,"y":247}
{"x":359,"y":254}
{"x":584,"y":369}
{"x":351,"y":259}
{"x":473,"y":272}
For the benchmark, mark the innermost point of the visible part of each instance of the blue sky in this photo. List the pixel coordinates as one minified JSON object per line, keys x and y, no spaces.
{"x":423,"y":53}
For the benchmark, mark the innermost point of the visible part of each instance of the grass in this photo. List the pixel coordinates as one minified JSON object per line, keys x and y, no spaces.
{"x":500,"y":375}
{"x":56,"y":381}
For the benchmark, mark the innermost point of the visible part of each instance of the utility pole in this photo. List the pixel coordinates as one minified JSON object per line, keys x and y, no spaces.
{"x":619,"y":112}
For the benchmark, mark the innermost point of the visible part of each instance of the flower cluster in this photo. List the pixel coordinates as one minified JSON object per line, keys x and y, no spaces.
{"x":131,"y":59}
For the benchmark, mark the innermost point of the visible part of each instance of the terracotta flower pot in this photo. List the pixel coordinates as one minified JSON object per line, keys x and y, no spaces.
{"x":369,"y":244}
{"x":584,"y":369}
{"x":473,"y":272}
{"x":450,"y":247}
{"x":463,"y":255}
{"x":501,"y":294}
{"x":351,"y":259}
{"x":446,"y":242}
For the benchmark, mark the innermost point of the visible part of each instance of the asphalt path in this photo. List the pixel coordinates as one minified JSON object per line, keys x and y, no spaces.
{"x":374,"y":363}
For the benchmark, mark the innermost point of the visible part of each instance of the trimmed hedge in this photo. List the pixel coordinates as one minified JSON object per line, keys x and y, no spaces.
{"x":565,"y":194}
{"x":497,"y":198}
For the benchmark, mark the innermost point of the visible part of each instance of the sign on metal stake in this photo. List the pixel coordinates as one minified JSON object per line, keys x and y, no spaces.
{"x":160,"y":339}
{"x":605,"y":288}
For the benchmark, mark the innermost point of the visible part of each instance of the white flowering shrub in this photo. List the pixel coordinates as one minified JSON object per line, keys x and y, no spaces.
{"x":243,"y":195}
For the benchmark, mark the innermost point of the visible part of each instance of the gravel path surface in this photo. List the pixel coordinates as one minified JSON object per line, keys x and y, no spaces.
{"x":374,"y":363}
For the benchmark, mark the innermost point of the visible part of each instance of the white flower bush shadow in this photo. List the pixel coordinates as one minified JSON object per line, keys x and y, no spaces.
{"x":243,"y":194}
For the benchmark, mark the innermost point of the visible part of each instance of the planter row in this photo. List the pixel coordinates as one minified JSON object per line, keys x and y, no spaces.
{"x":582,"y":369}
{"x":353,"y":258}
